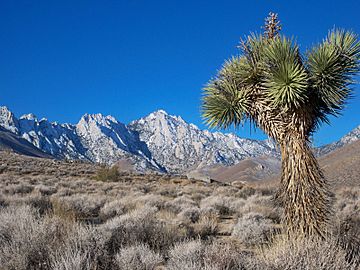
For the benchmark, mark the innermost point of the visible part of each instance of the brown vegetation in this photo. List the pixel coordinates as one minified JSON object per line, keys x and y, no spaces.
{"x":56,"y":215}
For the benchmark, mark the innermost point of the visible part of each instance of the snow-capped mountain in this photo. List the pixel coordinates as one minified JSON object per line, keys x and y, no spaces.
{"x":107,"y":140}
{"x":179,"y":146}
{"x":95,"y":138}
{"x":8,"y":120}
{"x":352,"y":136}
{"x":59,"y":140}
{"x":12,"y":142}
{"x":159,"y":141}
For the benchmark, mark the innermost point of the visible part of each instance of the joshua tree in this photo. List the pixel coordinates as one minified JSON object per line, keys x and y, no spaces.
{"x":288,"y":95}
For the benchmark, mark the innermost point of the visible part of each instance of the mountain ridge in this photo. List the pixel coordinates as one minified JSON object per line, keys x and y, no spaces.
{"x":158,"y":142}
{"x":352,"y":136}
{"x":11,"y":142}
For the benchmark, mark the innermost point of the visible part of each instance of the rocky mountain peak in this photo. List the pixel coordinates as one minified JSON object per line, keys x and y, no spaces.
{"x":8,"y":120}
{"x":159,"y":112}
{"x":29,"y":116}
{"x":4,"y":110}
{"x":97,"y":118}
{"x":352,"y":136}
{"x":179,"y":146}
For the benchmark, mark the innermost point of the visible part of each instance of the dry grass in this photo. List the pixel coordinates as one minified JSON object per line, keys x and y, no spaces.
{"x":55,"y":215}
{"x":303,"y":254}
{"x":139,"y":257}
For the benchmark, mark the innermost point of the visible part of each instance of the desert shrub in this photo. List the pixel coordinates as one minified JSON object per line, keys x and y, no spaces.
{"x":3,"y":201}
{"x":168,"y":191}
{"x":206,"y":226}
{"x":143,"y":188}
{"x":44,"y":190}
{"x":62,"y":211}
{"x":347,"y":236}
{"x":83,"y":248}
{"x":186,"y":255}
{"x":21,"y":188}
{"x":264,"y":205}
{"x":302,"y":254}
{"x":40,"y":203}
{"x":64,"y":191}
{"x":267,"y":190}
{"x":224,"y":256}
{"x":105,"y":174}
{"x":196,"y":255}
{"x":197,"y":197}
{"x":225,"y":191}
{"x":151,"y":200}
{"x":26,"y":240}
{"x":139,"y":226}
{"x":252,"y":228}
{"x":245,"y":192}
{"x":191,"y":214}
{"x":261,"y":200}
{"x":138,"y":257}
{"x":180,"y":203}
{"x":238,"y":206}
{"x":83,"y":207}
{"x":347,"y":203}
{"x":222,"y":205}
{"x":116,"y":208}
{"x":347,"y":220}
{"x":3,"y":168}
{"x":71,"y":259}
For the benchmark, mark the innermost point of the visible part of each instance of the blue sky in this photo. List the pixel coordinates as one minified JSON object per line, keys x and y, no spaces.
{"x":61,"y":59}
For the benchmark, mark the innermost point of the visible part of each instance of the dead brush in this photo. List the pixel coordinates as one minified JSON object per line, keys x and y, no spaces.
{"x":106,"y":174}
{"x":298,"y":253}
{"x":347,"y":237}
{"x":59,"y":210}
{"x":207,"y":226}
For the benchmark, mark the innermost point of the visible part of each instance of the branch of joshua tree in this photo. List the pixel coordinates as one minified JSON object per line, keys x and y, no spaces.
{"x":332,"y":65}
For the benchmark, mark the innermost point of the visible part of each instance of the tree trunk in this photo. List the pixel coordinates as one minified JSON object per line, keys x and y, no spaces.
{"x":303,"y":191}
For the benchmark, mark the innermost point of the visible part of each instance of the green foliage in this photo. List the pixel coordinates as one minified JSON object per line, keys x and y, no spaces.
{"x":285,"y":77}
{"x":331,"y":66}
{"x":273,"y":72}
{"x":106,"y":174}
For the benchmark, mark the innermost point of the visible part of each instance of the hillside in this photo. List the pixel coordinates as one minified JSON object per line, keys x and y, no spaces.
{"x":11,"y":142}
{"x":339,"y":160}
{"x":342,"y":166}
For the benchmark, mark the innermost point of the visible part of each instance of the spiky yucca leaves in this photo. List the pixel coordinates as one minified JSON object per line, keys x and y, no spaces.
{"x":332,"y":65}
{"x":285,"y":77}
{"x":289,"y":96}
{"x":226,"y":101}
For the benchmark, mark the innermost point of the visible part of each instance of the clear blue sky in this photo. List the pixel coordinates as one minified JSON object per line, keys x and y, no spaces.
{"x":61,"y":59}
